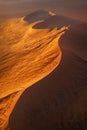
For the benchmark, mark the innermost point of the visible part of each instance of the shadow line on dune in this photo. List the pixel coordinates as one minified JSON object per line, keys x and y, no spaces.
{"x":59,"y":100}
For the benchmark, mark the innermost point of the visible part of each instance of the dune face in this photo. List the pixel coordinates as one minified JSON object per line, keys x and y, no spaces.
{"x":29,"y":51}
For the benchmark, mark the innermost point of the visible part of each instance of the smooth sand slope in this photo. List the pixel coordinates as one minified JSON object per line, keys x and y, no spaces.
{"x":29,"y":51}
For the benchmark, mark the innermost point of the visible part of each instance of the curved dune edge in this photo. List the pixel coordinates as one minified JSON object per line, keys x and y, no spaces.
{"x":20,"y":68}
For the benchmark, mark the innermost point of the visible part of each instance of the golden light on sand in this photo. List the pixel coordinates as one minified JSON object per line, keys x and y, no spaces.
{"x":26,"y":56}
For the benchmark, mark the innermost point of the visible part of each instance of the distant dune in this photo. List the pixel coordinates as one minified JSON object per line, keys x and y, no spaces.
{"x":40,"y":45}
{"x":38,"y":15}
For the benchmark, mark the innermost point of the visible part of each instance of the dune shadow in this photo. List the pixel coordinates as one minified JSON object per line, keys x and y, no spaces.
{"x":55,"y":21}
{"x":75,"y":40}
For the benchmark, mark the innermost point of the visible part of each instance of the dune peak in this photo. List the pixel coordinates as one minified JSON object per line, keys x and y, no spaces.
{"x":52,"y":13}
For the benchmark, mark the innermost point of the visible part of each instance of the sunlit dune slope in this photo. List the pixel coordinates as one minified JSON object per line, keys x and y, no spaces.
{"x":26,"y":56}
{"x":29,"y":51}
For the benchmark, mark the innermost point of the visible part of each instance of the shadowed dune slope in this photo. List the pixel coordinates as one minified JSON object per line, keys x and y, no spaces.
{"x":56,"y":21}
{"x":59,"y":101}
{"x":75,"y":40}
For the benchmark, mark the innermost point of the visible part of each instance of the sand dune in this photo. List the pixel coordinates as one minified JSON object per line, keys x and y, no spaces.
{"x":29,"y":51}
{"x":59,"y":100}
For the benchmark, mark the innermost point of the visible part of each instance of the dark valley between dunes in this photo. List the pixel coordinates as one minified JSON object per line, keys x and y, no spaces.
{"x":43,"y":73}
